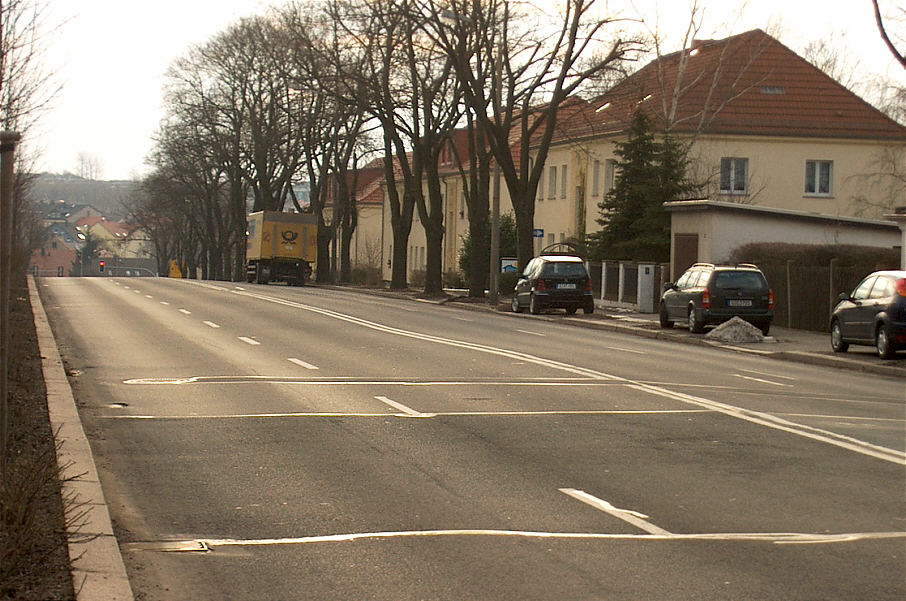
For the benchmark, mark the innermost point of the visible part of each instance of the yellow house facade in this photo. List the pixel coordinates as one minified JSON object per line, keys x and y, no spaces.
{"x":793,"y":139}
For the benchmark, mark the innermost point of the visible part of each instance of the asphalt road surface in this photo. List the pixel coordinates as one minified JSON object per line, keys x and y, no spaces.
{"x":267,"y":442}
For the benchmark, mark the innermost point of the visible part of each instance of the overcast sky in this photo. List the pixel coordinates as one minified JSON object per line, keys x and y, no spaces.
{"x":110,"y":57}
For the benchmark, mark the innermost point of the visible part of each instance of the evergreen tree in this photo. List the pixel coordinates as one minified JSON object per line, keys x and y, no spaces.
{"x":635,"y":225}
{"x":507,"y":245}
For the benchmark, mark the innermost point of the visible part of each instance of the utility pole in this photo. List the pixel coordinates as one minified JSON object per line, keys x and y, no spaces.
{"x":494,"y":279}
{"x":8,"y":143}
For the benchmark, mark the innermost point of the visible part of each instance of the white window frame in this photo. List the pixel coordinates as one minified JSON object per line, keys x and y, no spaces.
{"x":563,"y":179}
{"x":610,"y":175}
{"x":552,"y":182}
{"x":735,"y":163}
{"x":813,"y":179}
{"x":596,"y":178}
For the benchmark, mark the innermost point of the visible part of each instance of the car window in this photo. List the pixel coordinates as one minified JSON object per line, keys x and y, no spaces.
{"x":703,"y":278}
{"x":564,"y":269}
{"x":738,"y":280}
{"x":691,"y":279}
{"x":861,"y":291}
{"x":529,"y":268}
{"x":681,"y":282}
{"x":882,"y":289}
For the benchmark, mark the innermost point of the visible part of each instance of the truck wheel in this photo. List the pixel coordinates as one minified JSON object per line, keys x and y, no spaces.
{"x":260,"y":278}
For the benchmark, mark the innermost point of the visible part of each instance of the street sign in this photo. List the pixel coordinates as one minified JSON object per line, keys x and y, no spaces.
{"x":537,"y":233}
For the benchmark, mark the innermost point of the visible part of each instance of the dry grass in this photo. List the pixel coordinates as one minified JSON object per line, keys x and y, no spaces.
{"x":34,"y":559}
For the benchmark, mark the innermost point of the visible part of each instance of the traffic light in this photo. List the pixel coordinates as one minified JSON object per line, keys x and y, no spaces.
{"x":101,"y":265}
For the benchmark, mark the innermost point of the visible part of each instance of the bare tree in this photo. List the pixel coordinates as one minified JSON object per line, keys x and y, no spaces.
{"x":27,"y":89}
{"x":89,"y":166}
{"x":882,"y":28}
{"x":517,"y":75}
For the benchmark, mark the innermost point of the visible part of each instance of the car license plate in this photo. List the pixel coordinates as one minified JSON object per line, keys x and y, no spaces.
{"x":740,"y":302}
{"x":570,"y":286}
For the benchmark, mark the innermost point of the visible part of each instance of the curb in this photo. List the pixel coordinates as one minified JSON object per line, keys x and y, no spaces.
{"x":98,"y":571}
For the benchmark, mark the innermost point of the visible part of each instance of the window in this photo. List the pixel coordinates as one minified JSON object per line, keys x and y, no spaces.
{"x":596,"y":178}
{"x":540,"y":189}
{"x":734,"y":174}
{"x":819,"y":177}
{"x":861,"y":292}
{"x":563,"y":181}
{"x":552,"y":183}
{"x":882,"y":288}
{"x":610,"y":175}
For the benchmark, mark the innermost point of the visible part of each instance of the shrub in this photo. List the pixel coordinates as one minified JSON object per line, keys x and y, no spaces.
{"x":417,"y":278}
{"x":507,"y":282}
{"x":868,"y":258}
{"x":454,"y":279}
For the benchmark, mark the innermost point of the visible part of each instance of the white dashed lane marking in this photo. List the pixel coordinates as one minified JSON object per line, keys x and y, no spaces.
{"x":302,"y":363}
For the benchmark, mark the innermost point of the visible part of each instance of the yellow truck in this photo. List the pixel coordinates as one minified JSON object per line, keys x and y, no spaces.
{"x":280,"y":247}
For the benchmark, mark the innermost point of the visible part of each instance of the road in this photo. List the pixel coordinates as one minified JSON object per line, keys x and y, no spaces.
{"x":267,"y":442}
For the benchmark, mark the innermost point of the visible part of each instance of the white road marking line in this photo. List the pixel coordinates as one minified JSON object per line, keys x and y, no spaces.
{"x":511,"y":354}
{"x":771,"y":421}
{"x":302,"y":363}
{"x":247,"y":379}
{"x":239,"y":288}
{"x":461,"y":318}
{"x":532,"y":333}
{"x":763,"y":381}
{"x":210,"y":324}
{"x":763,"y":373}
{"x":764,"y":419}
{"x":137,"y":291}
{"x":247,"y":340}
{"x":185,"y":312}
{"x":625,"y":350}
{"x":790,"y":538}
{"x":844,"y":417}
{"x":407,"y":411}
{"x":567,"y":412}
{"x":632,"y":517}
{"x":148,"y":296}
{"x":164,"y":303}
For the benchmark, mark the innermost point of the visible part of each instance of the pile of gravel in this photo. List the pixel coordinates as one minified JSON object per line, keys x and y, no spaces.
{"x":737,"y":330}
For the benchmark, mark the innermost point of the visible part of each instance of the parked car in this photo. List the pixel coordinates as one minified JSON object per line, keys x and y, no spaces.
{"x":708,"y":294}
{"x":873,"y":314}
{"x":554,"y":281}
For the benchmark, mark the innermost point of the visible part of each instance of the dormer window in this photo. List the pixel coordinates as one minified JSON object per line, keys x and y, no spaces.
{"x":773,"y":90}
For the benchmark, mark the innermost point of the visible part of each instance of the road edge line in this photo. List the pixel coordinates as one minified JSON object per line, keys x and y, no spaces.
{"x":98,"y":570}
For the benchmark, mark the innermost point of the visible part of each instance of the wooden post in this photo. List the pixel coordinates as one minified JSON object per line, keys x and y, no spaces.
{"x":8,"y":141}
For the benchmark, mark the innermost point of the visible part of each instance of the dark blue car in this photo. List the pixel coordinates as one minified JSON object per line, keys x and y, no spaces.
{"x":873,"y":314}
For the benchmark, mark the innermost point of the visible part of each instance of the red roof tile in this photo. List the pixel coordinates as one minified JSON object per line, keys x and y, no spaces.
{"x":747,"y":84}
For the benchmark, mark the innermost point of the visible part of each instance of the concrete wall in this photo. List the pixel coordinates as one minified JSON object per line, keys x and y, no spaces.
{"x":721,"y":227}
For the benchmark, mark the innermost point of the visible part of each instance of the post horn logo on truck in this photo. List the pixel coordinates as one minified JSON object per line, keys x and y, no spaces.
{"x":289,"y":236}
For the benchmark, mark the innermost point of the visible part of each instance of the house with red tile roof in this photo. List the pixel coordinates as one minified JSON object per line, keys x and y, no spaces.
{"x":765,"y":128}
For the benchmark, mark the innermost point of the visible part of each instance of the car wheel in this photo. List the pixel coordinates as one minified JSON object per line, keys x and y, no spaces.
{"x":514,"y":304}
{"x":696,"y":326}
{"x":663,"y":319}
{"x":765,"y":328}
{"x":571,"y":310}
{"x":589,"y":308}
{"x":883,"y":343}
{"x":837,"y":338}
{"x":534,"y":305}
